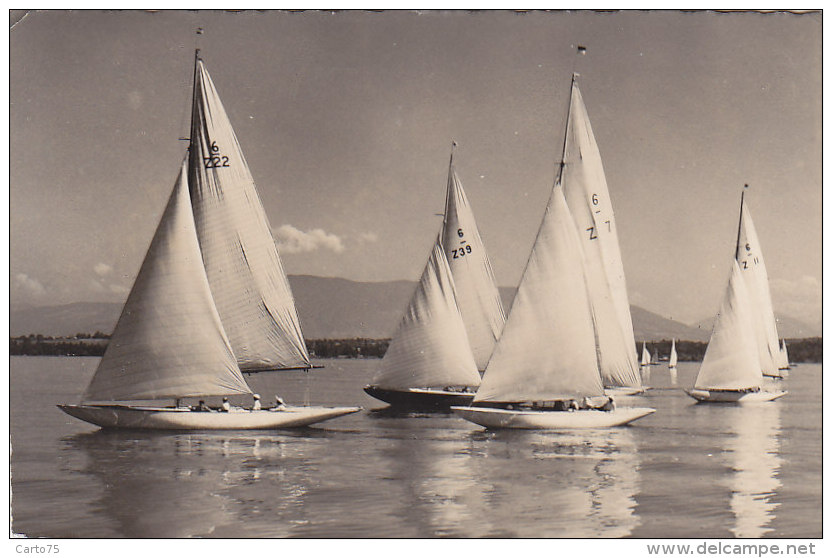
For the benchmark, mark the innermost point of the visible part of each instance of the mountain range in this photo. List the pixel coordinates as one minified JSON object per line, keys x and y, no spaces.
{"x":333,"y":308}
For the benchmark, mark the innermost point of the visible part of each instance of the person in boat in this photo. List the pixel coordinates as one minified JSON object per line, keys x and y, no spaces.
{"x":226,"y":406}
{"x":608,"y":406}
{"x":279,"y":404}
{"x":202,"y":407}
{"x":256,"y":405}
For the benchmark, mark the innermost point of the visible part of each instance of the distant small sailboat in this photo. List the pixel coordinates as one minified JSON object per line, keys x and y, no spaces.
{"x":730,"y":371}
{"x":749,"y":257}
{"x":645,"y":355}
{"x":170,"y":341}
{"x":784,"y":356}
{"x":588,"y":198}
{"x":544,"y":371}
{"x":475,"y":287}
{"x":671,"y":362}
{"x":429,"y":363}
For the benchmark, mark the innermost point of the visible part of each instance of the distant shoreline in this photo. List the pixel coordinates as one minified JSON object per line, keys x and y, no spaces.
{"x":808,"y":350}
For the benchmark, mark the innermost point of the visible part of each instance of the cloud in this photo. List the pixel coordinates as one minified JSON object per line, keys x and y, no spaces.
{"x":28,"y":286}
{"x":295,"y":241}
{"x":119,"y":289}
{"x":102,"y":269}
{"x":798,"y":298}
{"x":367,"y":237}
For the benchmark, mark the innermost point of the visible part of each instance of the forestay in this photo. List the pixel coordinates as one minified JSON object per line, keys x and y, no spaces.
{"x":169,"y":341}
{"x":430,"y":347}
{"x":753,"y":269}
{"x":585,"y":189}
{"x":731,"y":360}
{"x":547,"y":348}
{"x":476,"y":289}
{"x":247,"y":279}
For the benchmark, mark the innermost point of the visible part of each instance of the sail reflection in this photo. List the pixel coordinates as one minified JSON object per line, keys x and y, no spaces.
{"x":196,"y":485}
{"x":493,"y":484}
{"x":755,"y":459}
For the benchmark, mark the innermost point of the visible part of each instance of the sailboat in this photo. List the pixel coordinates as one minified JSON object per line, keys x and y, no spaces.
{"x":671,"y":361}
{"x":544,"y":371}
{"x":730,"y":371}
{"x":476,"y":289}
{"x":645,"y":355}
{"x":429,"y":363}
{"x":170,"y":341}
{"x":749,"y":256}
{"x":784,"y":356}
{"x":588,"y":198}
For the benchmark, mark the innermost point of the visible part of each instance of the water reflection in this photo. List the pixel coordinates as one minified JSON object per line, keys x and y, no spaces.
{"x":591,"y":478}
{"x":753,"y":451}
{"x":520,"y":484}
{"x":196,"y":485}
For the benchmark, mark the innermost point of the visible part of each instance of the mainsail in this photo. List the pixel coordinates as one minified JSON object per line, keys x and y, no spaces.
{"x":585,"y":189}
{"x":430,"y":347}
{"x":247,"y":280}
{"x":731,"y":360}
{"x":753,"y":268}
{"x":476,"y":289}
{"x":169,"y":342}
{"x":547,"y":348}
{"x":671,"y":362}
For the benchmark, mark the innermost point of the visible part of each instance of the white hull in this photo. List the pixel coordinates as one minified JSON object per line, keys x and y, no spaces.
{"x":551,"y":420}
{"x":623,"y":391}
{"x":734,"y":396}
{"x":162,"y":418}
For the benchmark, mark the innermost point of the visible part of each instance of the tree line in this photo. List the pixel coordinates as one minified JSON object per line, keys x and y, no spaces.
{"x":800,"y":350}
{"x":94,"y":344}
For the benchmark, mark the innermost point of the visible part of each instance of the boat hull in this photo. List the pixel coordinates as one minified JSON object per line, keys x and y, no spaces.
{"x":161,"y":418}
{"x":623,"y":391}
{"x":551,"y":420}
{"x":422,"y":399}
{"x":705,"y":396}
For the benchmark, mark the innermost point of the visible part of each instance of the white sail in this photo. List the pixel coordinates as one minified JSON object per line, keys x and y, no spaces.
{"x":784,"y":355}
{"x":250,"y":288}
{"x":430,"y":346}
{"x":671,"y":362}
{"x":547,"y":348}
{"x":753,"y":268}
{"x":476,"y":289}
{"x":585,"y":188}
{"x":169,"y":341}
{"x":731,"y":360}
{"x":645,"y":355}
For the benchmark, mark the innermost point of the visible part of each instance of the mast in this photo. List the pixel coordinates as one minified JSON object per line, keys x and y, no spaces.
{"x":566,"y":130}
{"x":739,"y":227}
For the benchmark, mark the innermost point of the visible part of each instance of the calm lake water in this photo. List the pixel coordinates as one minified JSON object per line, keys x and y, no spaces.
{"x":696,"y":471}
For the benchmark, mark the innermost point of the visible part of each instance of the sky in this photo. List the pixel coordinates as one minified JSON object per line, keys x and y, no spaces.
{"x":347,"y":118}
